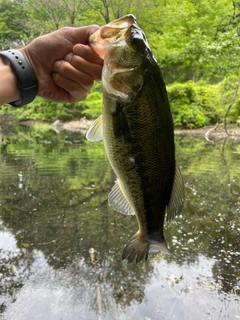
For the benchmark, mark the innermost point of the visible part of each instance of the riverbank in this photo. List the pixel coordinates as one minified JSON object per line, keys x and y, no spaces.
{"x":82,"y":125}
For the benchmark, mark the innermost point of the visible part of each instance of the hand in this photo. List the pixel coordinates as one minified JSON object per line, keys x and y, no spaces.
{"x":64,"y":64}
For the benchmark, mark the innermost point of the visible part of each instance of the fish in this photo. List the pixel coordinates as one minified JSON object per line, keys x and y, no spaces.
{"x":136,"y":127}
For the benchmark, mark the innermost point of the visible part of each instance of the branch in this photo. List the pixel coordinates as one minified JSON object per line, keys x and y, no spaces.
{"x":231,"y":104}
{"x":232,"y":17}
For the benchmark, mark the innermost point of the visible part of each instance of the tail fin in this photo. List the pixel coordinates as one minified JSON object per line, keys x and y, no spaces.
{"x":138,"y":248}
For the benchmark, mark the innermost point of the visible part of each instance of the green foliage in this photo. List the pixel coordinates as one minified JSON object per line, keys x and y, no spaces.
{"x":40,"y":128}
{"x":12,"y":21}
{"x":41,"y":109}
{"x":192,"y":40}
{"x":187,"y":36}
{"x":194,"y":105}
{"x":184,"y":35}
{"x":92,"y":105}
{"x":227,"y":91}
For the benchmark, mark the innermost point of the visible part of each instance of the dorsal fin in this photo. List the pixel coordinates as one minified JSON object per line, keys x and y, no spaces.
{"x":95,"y":132}
{"x":117,"y":199}
{"x":176,"y":202}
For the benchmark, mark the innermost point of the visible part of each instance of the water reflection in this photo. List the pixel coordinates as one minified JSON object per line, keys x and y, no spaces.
{"x":53,"y":191}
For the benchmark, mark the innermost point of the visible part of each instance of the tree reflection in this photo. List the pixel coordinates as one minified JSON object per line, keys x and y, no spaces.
{"x":63,"y":216}
{"x":14,"y":270}
{"x":210,"y":224}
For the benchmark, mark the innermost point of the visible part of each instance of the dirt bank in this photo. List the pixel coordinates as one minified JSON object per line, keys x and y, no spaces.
{"x":83,"y":124}
{"x":212,"y":132}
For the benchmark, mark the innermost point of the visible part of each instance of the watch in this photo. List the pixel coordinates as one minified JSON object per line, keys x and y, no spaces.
{"x":26,"y":79}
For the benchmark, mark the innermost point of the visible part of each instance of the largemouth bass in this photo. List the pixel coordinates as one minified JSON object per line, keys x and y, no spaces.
{"x":137,"y":129}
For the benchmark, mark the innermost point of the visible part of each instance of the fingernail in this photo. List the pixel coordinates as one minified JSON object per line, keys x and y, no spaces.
{"x":57,"y":64}
{"x":68,"y":57}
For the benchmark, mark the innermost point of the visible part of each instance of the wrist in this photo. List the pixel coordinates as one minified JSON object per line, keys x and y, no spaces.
{"x":25,"y":78}
{"x":8,"y":84}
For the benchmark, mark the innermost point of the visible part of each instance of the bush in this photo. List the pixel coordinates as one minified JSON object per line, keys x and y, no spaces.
{"x":92,"y":106}
{"x":41,"y":109}
{"x":194,"y":105}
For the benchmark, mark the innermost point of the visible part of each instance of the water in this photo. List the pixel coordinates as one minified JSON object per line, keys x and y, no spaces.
{"x":60,"y":243}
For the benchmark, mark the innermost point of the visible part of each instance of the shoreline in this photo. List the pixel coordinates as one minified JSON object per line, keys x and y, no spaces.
{"x":82,"y":125}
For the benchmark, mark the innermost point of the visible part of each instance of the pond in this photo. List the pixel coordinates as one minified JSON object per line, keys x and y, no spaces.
{"x":61,"y":245}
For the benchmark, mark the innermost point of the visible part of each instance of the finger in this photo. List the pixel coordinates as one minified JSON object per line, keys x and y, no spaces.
{"x":79,"y":63}
{"x":68,"y":71}
{"x":87,"y":53}
{"x":84,"y":33}
{"x":81,"y":35}
{"x":74,"y":90}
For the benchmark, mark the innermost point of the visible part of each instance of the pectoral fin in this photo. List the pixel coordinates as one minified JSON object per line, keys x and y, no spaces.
{"x":176,"y":202}
{"x":95,"y":132}
{"x":117,"y":199}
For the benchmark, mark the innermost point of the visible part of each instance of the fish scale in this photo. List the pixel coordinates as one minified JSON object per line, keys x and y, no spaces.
{"x":137,"y":129}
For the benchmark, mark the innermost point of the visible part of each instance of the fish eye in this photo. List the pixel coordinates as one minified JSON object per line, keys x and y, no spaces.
{"x":138,"y":43}
{"x":135,"y":40}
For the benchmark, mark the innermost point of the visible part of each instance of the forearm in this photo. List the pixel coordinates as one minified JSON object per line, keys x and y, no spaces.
{"x":8,"y":84}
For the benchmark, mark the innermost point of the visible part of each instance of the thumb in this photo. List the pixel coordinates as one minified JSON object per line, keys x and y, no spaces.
{"x":82,"y":34}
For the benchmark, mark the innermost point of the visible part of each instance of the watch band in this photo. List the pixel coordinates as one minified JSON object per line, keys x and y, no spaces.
{"x":26,"y":79}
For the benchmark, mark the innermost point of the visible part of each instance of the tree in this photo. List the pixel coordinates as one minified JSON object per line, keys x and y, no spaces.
{"x":111,"y":9}
{"x":186,"y":34}
{"x":50,"y":14}
{"x":74,"y":9}
{"x":13,"y":28}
